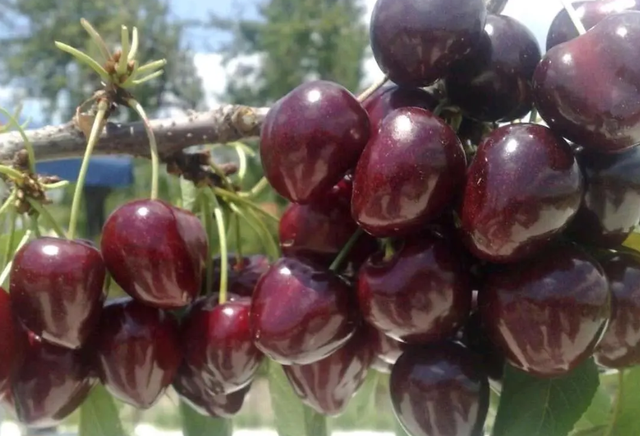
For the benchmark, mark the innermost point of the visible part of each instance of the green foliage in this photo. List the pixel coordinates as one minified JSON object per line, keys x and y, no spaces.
{"x":99,"y":415}
{"x":195,"y":424}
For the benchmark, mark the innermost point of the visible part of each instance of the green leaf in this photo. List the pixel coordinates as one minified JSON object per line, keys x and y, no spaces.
{"x":292,"y":417}
{"x":189,"y":194}
{"x":531,"y":406}
{"x":99,"y":415}
{"x":597,"y":415}
{"x":626,"y":415}
{"x":195,"y":424}
{"x":364,"y":400}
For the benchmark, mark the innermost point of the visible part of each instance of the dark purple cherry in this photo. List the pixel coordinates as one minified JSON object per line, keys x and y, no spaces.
{"x":156,"y":252}
{"x":620,"y":346}
{"x":389,"y":98}
{"x":301,"y":314}
{"x":415,"y":42}
{"x":476,"y":339}
{"x":547,"y":314}
{"x":611,"y":205}
{"x":8,"y":345}
{"x":523,"y":187}
{"x":439,"y":390}
{"x":602,"y":61}
{"x":590,"y":13}
{"x":493,"y":82}
{"x":218,"y":343}
{"x":50,"y":383}
{"x":420,"y":294}
{"x":56,"y":289}
{"x":407,"y":173}
{"x":243,"y":275}
{"x":138,"y":351}
{"x":304,"y":155}
{"x":328,"y":384}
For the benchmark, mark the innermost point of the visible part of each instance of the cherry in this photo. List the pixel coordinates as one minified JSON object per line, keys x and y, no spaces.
{"x":477,"y":340}
{"x":407,"y":173}
{"x":242,"y":276}
{"x":138,"y":351}
{"x":389,"y":98}
{"x":420,"y":294}
{"x":56,"y":289}
{"x":8,"y":345}
{"x":303,"y":155}
{"x":439,"y":390}
{"x":328,"y":384}
{"x":611,"y":206}
{"x":547,"y":314}
{"x":218,"y":343}
{"x":385,"y":348}
{"x":301,"y":313}
{"x":590,"y":13}
{"x":620,"y":346}
{"x":607,"y":117}
{"x":415,"y":42}
{"x":493,"y":82}
{"x":156,"y":252}
{"x":51,"y":381}
{"x":523,"y":187}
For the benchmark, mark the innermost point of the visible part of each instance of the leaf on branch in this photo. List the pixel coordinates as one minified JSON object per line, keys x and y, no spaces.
{"x":531,"y":406}
{"x":189,"y":194}
{"x":626,"y":415}
{"x":597,"y":415}
{"x":195,"y":424}
{"x":99,"y":415}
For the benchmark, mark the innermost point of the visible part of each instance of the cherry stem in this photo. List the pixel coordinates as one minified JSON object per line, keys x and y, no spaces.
{"x":44,"y":213}
{"x":216,"y":169}
{"x":533,"y":116}
{"x":261,"y":230}
{"x":236,"y":220}
{"x":8,"y":202}
{"x":27,"y":144}
{"x":7,"y":268}
{"x":574,"y":16}
{"x":373,"y":88}
{"x":10,"y":172}
{"x":153,"y":147}
{"x":496,"y":6}
{"x":257,"y":188}
{"x":346,"y":249}
{"x":12,"y":229}
{"x":616,"y":404}
{"x":388,"y":249}
{"x":60,"y":184}
{"x":96,"y":129}
{"x":208,"y":225}
{"x":222,"y":235}
{"x":35,"y":228}
{"x":245,"y":202}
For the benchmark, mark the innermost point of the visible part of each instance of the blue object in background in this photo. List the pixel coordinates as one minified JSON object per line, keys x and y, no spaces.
{"x":111,"y":172}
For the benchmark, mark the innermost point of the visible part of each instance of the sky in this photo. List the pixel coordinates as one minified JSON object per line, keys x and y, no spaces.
{"x":536,"y":16}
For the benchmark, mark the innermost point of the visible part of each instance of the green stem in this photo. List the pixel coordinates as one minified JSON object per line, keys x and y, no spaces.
{"x":236,"y":220}
{"x":616,"y":404}
{"x":27,"y":144}
{"x":7,"y":268}
{"x":12,"y":228}
{"x":8,"y":202}
{"x":33,"y":222}
{"x":534,"y":115}
{"x":224,"y":260}
{"x":257,"y":188}
{"x":96,"y":129}
{"x":10,"y":172}
{"x":573,"y":15}
{"x":337,"y":262}
{"x":153,"y":147}
{"x":388,"y":249}
{"x":240,"y":200}
{"x":44,"y":213}
{"x":207,"y":217}
{"x":261,"y":230}
{"x":373,"y":88}
{"x":60,"y":184}
{"x":216,"y":169}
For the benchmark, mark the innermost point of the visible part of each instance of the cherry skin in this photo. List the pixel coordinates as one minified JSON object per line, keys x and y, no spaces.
{"x":415,"y":42}
{"x":611,"y":205}
{"x":407,"y":173}
{"x":523,"y":187}
{"x":439,"y":390}
{"x":389,"y":98}
{"x":476,"y":339}
{"x":607,"y":117}
{"x":8,"y":345}
{"x":328,"y":384}
{"x":218,"y":343}
{"x":420,"y":294}
{"x":243,"y":275}
{"x":385,"y":348}
{"x":56,"y":289}
{"x":620,"y":346}
{"x":138,"y":351}
{"x":300,"y":313}
{"x":303,"y":155}
{"x":547,"y":314}
{"x":493,"y":82}
{"x":156,"y":252}
{"x":591,"y":13}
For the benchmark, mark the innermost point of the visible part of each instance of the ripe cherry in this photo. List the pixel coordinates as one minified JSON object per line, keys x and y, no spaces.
{"x":156,"y":252}
{"x":242,"y":275}
{"x":8,"y":345}
{"x":474,"y":336}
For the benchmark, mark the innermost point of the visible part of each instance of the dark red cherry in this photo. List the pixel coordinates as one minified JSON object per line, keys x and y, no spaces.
{"x":493,"y":82}
{"x":415,"y":42}
{"x":590,"y":13}
{"x":611,"y":205}
{"x":50,"y":383}
{"x":243,"y":275}
{"x":138,"y":351}
{"x":218,"y":343}
{"x":301,"y":314}
{"x":620,"y":346}
{"x":607,"y":117}
{"x":547,"y":314}
{"x":389,"y":98}
{"x":476,"y":339}
{"x":407,"y":173}
{"x":523,"y":187}
{"x":156,"y":252}
{"x":8,"y":345}
{"x":328,"y":384}
{"x":439,"y":390}
{"x":418,"y":295}
{"x":303,"y":155}
{"x":56,"y":289}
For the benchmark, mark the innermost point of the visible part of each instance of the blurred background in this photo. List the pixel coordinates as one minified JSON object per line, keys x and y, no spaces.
{"x":218,"y":51}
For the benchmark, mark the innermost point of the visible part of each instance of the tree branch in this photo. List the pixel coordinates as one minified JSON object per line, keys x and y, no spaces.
{"x":225,"y":123}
